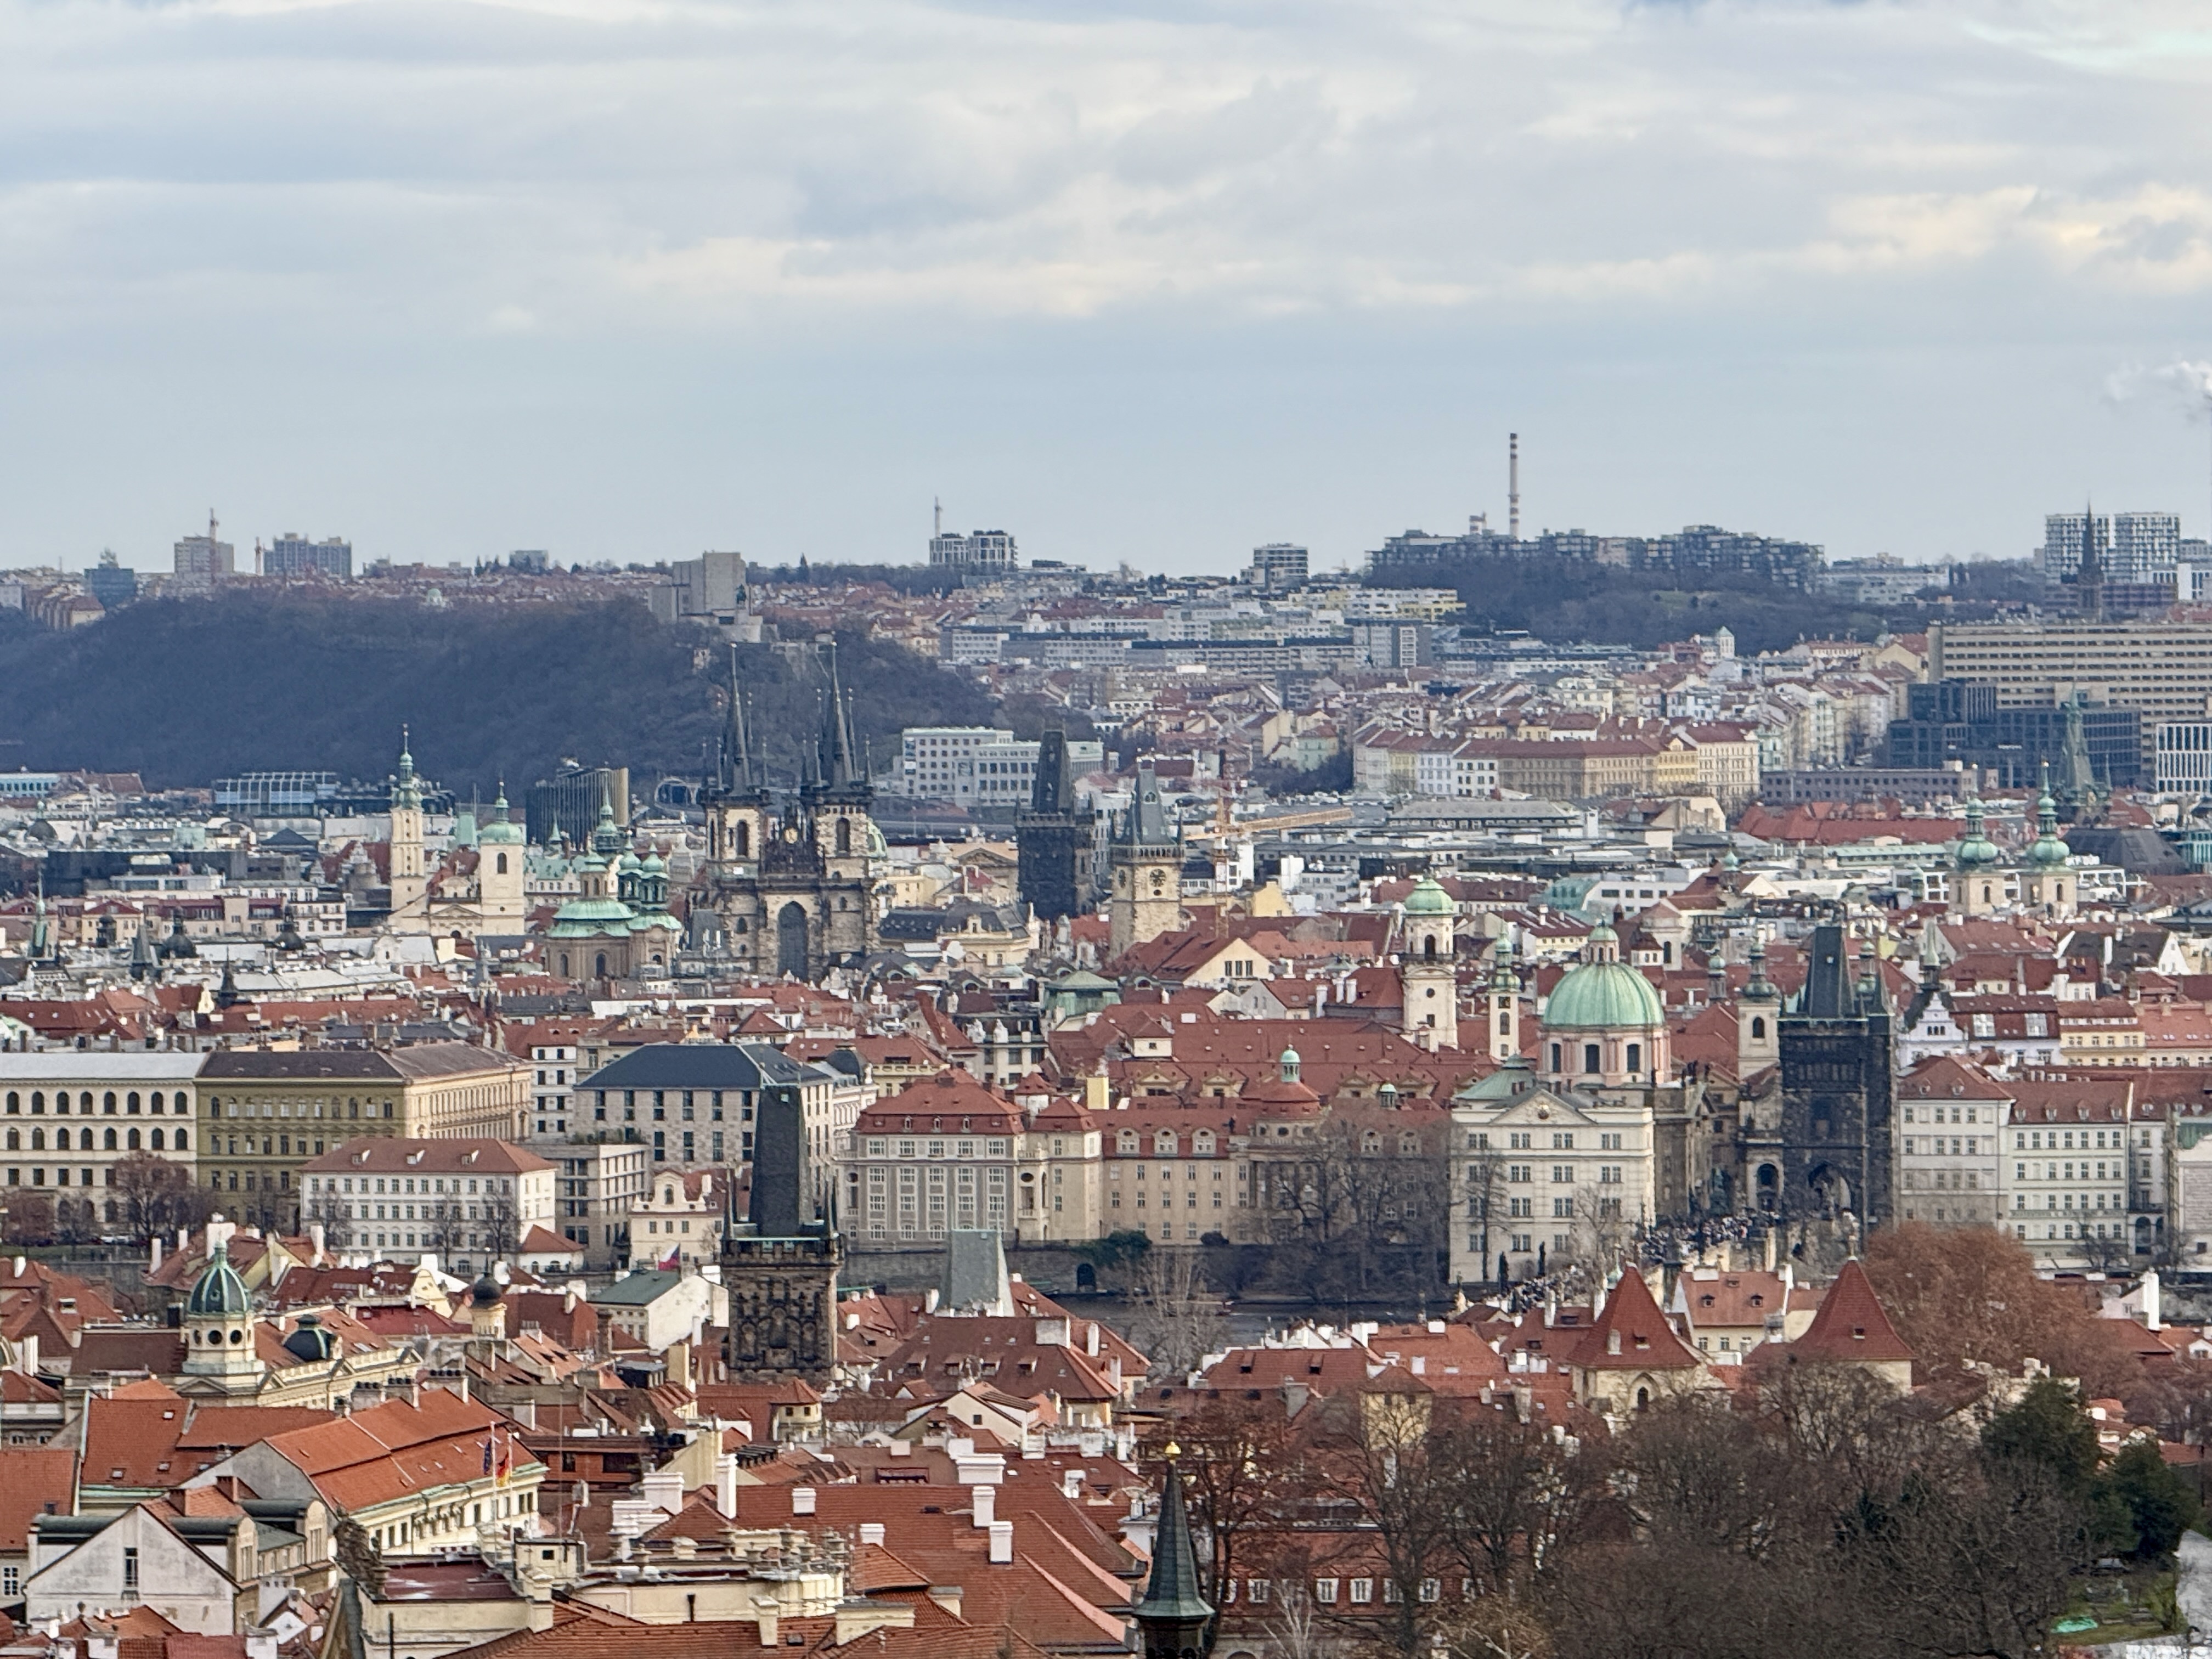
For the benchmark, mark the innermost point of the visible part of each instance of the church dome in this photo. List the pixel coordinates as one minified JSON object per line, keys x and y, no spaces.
{"x":485,"y":1291}
{"x":2050,"y":851}
{"x":1975,"y":851}
{"x":1429,"y":899}
{"x":311,"y":1342}
{"x":219,"y":1292}
{"x":1602,"y":996}
{"x":500,"y":832}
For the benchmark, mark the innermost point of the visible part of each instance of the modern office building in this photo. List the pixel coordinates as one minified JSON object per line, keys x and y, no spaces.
{"x":293,"y":555}
{"x":1952,"y":721}
{"x":567,"y":803}
{"x":112,"y":584}
{"x":2161,"y":669}
{"x":985,"y":551}
{"x":1278,"y":567}
{"x":711,"y":585}
{"x":201,"y":561}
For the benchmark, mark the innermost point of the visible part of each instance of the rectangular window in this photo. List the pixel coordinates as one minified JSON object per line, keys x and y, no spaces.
{"x":1363,"y":1591}
{"x":129,"y":1569}
{"x":1325,"y":1591}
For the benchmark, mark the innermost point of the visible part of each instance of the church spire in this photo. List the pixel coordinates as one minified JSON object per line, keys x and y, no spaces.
{"x":1172,"y":1616}
{"x":2089,"y":579}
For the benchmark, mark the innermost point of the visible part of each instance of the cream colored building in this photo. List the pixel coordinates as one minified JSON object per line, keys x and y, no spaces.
{"x":2162,"y":668}
{"x":71,"y":1113}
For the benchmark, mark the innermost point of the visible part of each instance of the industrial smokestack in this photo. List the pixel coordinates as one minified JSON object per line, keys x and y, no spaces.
{"x":1513,"y":485}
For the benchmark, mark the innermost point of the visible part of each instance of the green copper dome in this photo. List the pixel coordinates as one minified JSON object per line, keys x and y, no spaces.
{"x":1602,"y":996}
{"x":2049,"y":852}
{"x":1975,"y":851}
{"x":1429,"y":899}
{"x":500,"y":832}
{"x":219,"y":1290}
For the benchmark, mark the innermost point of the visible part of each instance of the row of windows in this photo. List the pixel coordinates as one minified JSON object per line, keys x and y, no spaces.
{"x":130,"y":1140}
{"x":1521,"y":1140}
{"x":411,"y":1184}
{"x":286,"y":1108}
{"x":994,"y":1147}
{"x":131,"y":1105}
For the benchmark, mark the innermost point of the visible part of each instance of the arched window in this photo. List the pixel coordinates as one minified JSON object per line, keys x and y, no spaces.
{"x":844,"y":837}
{"x":14,"y":1101}
{"x":503,"y":864}
{"x":1409,"y":1143}
{"x":599,"y":965}
{"x":37,"y":1140}
{"x":130,"y":1103}
{"x":1504,"y":1024}
{"x":1429,"y":947}
{"x":564,"y":965}
{"x":107,"y":1141}
{"x":1635,"y":1056}
{"x":154,"y":1103}
{"x":14,"y":1140}
{"x":62,"y":1140}
{"x":108,"y":1103}
{"x":1758,"y":1027}
{"x":1644,"y":1400}
{"x":214,"y":1105}
{"x":1370,"y":1143}
{"x":155,"y":1140}
{"x":183,"y":1139}
{"x":1127,"y":1140}
{"x":37,"y":1102}
{"x":1164,"y":1143}
{"x":743,"y":843}
{"x":84,"y":1101}
{"x":1559,"y":1062}
{"x":131,"y":1139}
{"x":1590,"y":1057}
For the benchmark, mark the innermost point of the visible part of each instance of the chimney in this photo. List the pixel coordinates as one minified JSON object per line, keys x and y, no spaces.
{"x":1002,"y":1543}
{"x":1513,"y":485}
{"x":2150,"y":1300}
{"x":871,"y":1532}
{"x":725,"y":1485}
{"x":1071,"y":1484}
{"x":154,"y":1266}
{"x":802,"y":1500}
{"x":986,"y":1505}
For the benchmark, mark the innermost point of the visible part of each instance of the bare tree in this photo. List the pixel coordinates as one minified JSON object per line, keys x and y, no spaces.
{"x":1482,"y":1196}
{"x":1295,"y":1628}
{"x":1179,"y":1319}
{"x":497,"y":1224}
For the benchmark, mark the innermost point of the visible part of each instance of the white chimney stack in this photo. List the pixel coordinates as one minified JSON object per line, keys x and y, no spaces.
{"x":2150,"y":1300}
{"x":725,"y":1485}
{"x":871,"y":1532}
{"x":802,"y":1500}
{"x":986,"y":1505}
{"x":1002,"y":1543}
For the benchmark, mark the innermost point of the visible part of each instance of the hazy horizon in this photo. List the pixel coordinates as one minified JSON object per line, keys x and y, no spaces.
{"x":1143,"y":281}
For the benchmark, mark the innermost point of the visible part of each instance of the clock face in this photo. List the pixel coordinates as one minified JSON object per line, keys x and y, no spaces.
{"x":791,"y":834}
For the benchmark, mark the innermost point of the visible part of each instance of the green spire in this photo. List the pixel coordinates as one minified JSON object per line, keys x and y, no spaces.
{"x":406,"y":791}
{"x":1171,"y":1613}
{"x":2049,"y":852}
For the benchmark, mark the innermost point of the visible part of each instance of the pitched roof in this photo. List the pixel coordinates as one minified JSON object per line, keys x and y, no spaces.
{"x":1631,"y":1334}
{"x":1850,"y":1324}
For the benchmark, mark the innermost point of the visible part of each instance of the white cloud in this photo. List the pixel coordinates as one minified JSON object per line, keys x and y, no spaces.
{"x":264,"y":177}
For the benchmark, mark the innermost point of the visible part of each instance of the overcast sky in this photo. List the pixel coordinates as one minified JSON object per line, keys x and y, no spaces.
{"x":1133,"y":279}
